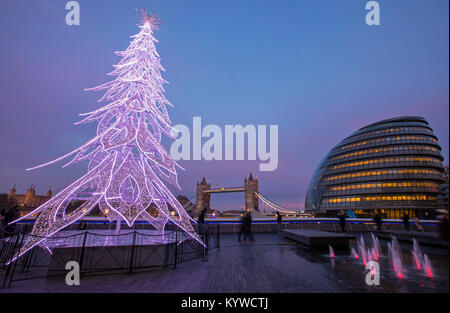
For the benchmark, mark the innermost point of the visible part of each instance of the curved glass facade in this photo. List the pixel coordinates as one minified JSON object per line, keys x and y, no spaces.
{"x":390,"y":167}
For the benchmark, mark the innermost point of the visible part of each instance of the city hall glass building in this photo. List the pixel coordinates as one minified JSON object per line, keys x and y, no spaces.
{"x":391,"y":167}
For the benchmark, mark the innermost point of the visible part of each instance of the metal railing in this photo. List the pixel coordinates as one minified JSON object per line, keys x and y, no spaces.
{"x":99,"y":251}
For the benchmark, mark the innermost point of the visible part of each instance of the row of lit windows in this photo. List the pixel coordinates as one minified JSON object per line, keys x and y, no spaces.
{"x":395,"y":130}
{"x":405,"y":125}
{"x":385,"y":149}
{"x":385,"y":185}
{"x":389,"y":213}
{"x":385,"y":139}
{"x":380,"y":198}
{"x":387,"y":160}
{"x":384,"y":172}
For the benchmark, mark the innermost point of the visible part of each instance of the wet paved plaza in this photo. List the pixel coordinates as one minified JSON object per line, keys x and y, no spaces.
{"x":271,"y":264}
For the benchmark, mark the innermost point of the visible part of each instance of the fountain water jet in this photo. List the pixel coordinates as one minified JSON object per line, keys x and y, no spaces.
{"x":376,"y":247}
{"x":331,"y":251}
{"x":421,"y":260}
{"x":427,"y":266}
{"x":395,"y":253}
{"x":354,"y":254}
{"x":362,"y":250}
{"x":417,"y":255}
{"x":374,"y":254}
{"x":416,"y":259}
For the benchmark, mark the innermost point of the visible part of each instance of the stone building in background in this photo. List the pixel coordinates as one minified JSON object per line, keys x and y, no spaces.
{"x":28,"y":201}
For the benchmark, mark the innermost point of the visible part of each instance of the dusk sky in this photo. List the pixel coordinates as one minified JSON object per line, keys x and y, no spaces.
{"x":312,"y":67}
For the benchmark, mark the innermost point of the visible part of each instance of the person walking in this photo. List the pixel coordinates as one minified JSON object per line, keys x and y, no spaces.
{"x":443,"y":225}
{"x":419,"y":227}
{"x":248,"y":227}
{"x":341,"y":217}
{"x":378,"y":221}
{"x":2,"y":221}
{"x":241,"y":226}
{"x":201,"y":222}
{"x":82,"y":226}
{"x":279,"y":220}
{"x":405,"y":219}
{"x":10,"y":216}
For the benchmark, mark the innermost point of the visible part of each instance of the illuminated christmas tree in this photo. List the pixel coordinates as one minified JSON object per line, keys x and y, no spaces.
{"x":128,"y":165}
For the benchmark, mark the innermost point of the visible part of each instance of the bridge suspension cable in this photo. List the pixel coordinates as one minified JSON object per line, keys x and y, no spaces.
{"x":273,"y":205}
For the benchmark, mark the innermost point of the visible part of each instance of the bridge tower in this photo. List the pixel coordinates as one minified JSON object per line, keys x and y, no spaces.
{"x":203,"y":198}
{"x":251,"y":200}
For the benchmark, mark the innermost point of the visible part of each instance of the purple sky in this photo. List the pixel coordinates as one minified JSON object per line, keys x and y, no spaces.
{"x":312,"y":67}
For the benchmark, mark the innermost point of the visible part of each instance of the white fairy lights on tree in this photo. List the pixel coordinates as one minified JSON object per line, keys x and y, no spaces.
{"x":127,"y":162}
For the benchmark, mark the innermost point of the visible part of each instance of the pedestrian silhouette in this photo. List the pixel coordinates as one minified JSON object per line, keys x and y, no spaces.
{"x":241,"y":226}
{"x":419,"y":227}
{"x":201,"y":222}
{"x":378,"y":221}
{"x":341,"y":217}
{"x":405,"y":219}
{"x":10,"y":216}
{"x":279,"y":220}
{"x":2,"y":221}
{"x":82,"y":226}
{"x":248,"y":227}
{"x":443,"y":225}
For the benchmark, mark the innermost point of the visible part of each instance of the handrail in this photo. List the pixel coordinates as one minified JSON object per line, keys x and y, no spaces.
{"x":88,"y":232}
{"x":237,"y":219}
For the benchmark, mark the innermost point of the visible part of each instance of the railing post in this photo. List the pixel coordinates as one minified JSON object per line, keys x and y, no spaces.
{"x":180,"y":252}
{"x":28,"y":255}
{"x":130,"y":270}
{"x":202,"y":247}
{"x":206,"y":246}
{"x":12,"y":267}
{"x":82,"y":250}
{"x":166,"y":255}
{"x":32,"y":257}
{"x":25,"y":261}
{"x":176,"y":249}
{"x":218,"y":236}
{"x":204,"y":251}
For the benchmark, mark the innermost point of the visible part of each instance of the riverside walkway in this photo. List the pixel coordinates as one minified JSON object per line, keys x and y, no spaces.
{"x":271,"y":264}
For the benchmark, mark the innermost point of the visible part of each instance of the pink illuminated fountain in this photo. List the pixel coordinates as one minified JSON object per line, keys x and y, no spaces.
{"x":421,"y":261}
{"x":396,"y":259}
{"x":371,"y":253}
{"x":362,"y":250}
{"x":331,"y":251}
{"x":374,"y":253}
{"x":354,"y":254}
{"x":427,"y":267}
{"x":376,"y":249}
{"x":128,"y":166}
{"x":417,"y":255}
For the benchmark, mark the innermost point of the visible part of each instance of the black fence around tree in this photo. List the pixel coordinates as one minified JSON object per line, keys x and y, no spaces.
{"x":100,"y":252}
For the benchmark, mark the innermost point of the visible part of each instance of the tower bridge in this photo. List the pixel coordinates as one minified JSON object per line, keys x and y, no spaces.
{"x":223,"y":189}
{"x":251,"y":196}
